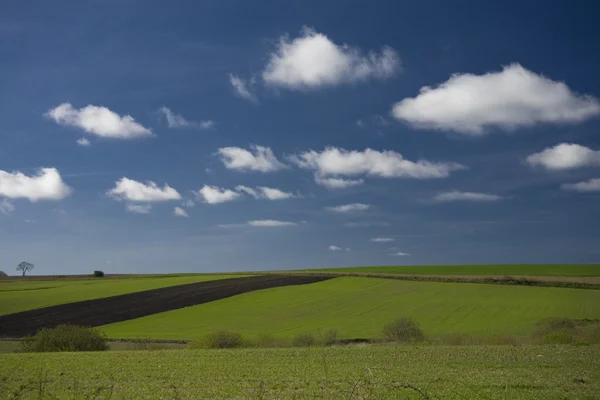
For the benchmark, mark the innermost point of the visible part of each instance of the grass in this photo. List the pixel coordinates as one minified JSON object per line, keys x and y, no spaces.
{"x":360,"y":307}
{"x":25,"y":295}
{"x":512,"y":270}
{"x":473,"y":372}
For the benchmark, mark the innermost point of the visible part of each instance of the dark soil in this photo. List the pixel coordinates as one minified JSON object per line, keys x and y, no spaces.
{"x":134,"y":305}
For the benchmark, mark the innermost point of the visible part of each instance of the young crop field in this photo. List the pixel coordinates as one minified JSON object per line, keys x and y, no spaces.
{"x":22,"y":295}
{"x":359,"y":307}
{"x":473,"y":372}
{"x":497,"y":270}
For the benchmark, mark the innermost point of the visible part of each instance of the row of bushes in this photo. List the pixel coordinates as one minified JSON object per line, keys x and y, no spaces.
{"x":401,"y":330}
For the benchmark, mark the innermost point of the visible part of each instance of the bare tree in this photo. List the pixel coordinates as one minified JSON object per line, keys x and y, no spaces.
{"x":25,"y":267}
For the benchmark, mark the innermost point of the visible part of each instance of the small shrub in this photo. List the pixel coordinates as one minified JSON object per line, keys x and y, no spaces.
{"x":403,"y":330}
{"x":304,"y":340}
{"x":329,"y":337}
{"x":558,"y":337}
{"x":551,"y":325}
{"x":219,"y":340}
{"x":3,"y":274}
{"x":98,"y":274}
{"x":64,"y":338}
{"x":589,"y":334}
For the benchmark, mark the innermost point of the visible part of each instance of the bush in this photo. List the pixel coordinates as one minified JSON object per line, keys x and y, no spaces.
{"x":403,"y":330}
{"x":3,"y":274}
{"x":304,"y":340}
{"x":64,"y":338}
{"x":329,"y":337}
{"x":561,"y":336}
{"x":98,"y":274}
{"x":219,"y":340}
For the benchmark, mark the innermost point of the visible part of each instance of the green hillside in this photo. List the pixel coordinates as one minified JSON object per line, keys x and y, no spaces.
{"x":359,"y":307}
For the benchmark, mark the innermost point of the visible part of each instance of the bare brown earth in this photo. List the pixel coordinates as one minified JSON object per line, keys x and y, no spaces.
{"x":135,"y":305}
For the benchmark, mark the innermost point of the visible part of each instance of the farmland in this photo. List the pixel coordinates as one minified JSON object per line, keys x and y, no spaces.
{"x":581,"y":270}
{"x":21,"y":295}
{"x":494,"y":372}
{"x":359,"y":307}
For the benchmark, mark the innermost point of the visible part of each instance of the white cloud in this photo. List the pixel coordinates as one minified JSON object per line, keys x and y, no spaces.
{"x":46,"y":185}
{"x":241,"y":88}
{"x":83,"y":142}
{"x":387,"y":164}
{"x":565,"y":156}
{"x":129,"y":189}
{"x":258,"y":159}
{"x":274,"y":194}
{"x":455,"y":195}
{"x":139,"y":208}
{"x":337,"y":183}
{"x":313,"y":60}
{"x":180,"y":212}
{"x":262,"y":192}
{"x":270,"y":223}
{"x":177,"y":121}
{"x":334,"y":248}
{"x":514,"y":97}
{"x":188,"y":203}
{"x":98,"y":121}
{"x":349,"y":207}
{"x":6,"y":207}
{"x":382,"y":240}
{"x":593,"y":185}
{"x":216,"y":195}
{"x":400,"y":254}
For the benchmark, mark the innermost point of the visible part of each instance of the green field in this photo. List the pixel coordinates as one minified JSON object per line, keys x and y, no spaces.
{"x":525,"y":269}
{"x":359,"y":307}
{"x":473,"y":372}
{"x":22,"y":295}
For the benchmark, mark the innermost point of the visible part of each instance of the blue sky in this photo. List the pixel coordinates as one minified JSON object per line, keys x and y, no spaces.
{"x":297,"y":134}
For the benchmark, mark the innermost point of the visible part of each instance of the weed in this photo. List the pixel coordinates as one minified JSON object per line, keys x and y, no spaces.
{"x":219,"y":340}
{"x":304,"y":340}
{"x":403,"y":330}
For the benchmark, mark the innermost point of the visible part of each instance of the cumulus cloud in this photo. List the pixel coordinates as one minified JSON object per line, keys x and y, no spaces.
{"x":241,"y":88}
{"x":511,"y":98}
{"x":337,"y":183}
{"x":334,"y":248}
{"x":382,"y":240}
{"x":387,"y":164}
{"x":47,"y":184}
{"x":455,"y":195}
{"x":270,"y":223}
{"x":189,"y":203}
{"x":139,"y":208}
{"x":312,"y":61}
{"x":565,"y":156}
{"x":180,"y":212}
{"x":177,"y":121}
{"x":216,"y":195}
{"x":346,"y":208}
{"x":83,"y":142}
{"x":400,"y":254}
{"x":262,"y":192}
{"x":98,"y":121}
{"x":258,"y":158}
{"x":131,"y":190}
{"x":6,"y":207}
{"x":592,"y":185}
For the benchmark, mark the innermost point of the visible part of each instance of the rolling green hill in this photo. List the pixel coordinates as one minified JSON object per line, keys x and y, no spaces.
{"x":359,"y":307}
{"x":25,"y":295}
{"x":525,"y":269}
